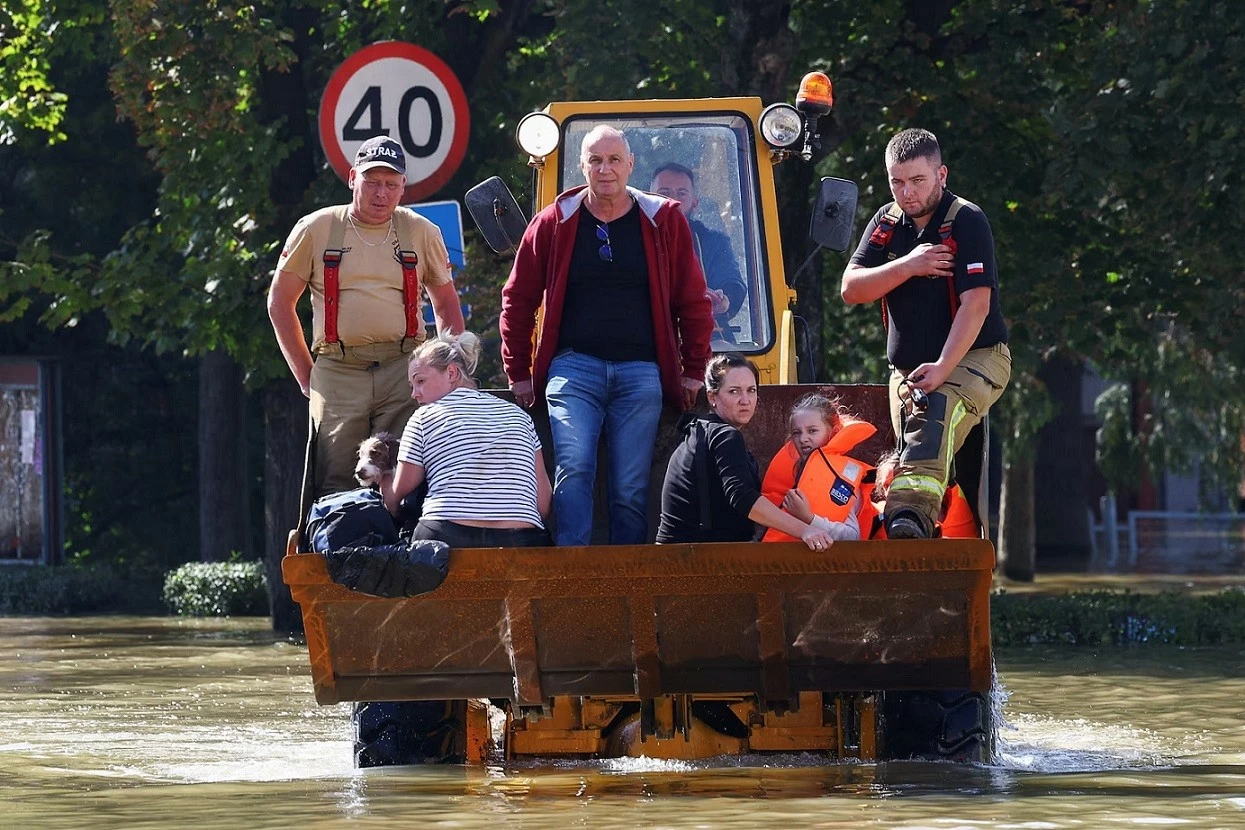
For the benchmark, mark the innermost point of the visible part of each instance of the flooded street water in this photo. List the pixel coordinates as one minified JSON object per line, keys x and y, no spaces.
{"x":160,"y":723}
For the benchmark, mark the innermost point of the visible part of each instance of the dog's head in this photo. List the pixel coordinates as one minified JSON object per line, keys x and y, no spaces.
{"x":377,"y":455}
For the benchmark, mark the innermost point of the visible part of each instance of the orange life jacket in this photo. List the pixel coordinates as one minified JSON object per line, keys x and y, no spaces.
{"x":957,"y":521}
{"x":829,"y":479}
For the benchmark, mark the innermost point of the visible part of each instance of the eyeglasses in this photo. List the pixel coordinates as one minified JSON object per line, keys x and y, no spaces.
{"x":603,"y":236}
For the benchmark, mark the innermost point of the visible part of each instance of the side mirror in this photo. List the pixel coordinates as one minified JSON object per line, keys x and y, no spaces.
{"x":496,"y":214}
{"x":834,"y":214}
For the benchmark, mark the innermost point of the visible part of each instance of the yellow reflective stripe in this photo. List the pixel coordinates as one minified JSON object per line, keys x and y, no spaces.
{"x":957,"y":414}
{"x":928,"y":484}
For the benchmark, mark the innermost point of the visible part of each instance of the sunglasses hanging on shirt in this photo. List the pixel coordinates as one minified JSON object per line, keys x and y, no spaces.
{"x":603,"y":236}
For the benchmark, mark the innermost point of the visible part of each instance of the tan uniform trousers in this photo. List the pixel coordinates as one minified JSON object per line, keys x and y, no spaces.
{"x":356,"y":392}
{"x":932,"y":437}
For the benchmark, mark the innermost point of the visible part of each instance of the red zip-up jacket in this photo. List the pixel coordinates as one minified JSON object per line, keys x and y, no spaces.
{"x":682,"y":314}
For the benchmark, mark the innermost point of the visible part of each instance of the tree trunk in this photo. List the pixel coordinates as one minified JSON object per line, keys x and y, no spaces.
{"x":1064,"y":457}
{"x":224,"y":495}
{"x":1017,"y":546}
{"x":285,"y":441}
{"x":762,"y":47}
{"x":283,"y":103}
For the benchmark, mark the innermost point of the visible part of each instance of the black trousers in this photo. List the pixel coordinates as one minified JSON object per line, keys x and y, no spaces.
{"x":465,"y":536}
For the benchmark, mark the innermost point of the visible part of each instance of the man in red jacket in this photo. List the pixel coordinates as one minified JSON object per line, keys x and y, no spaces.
{"x":626,"y":324}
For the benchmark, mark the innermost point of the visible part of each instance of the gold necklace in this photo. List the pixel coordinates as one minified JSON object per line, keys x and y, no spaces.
{"x":350,"y":219}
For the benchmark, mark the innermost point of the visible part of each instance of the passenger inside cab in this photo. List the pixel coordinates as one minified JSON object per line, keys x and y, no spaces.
{"x":727,"y":289}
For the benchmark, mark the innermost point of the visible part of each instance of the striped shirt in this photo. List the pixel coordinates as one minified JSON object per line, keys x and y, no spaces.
{"x":477,"y":452}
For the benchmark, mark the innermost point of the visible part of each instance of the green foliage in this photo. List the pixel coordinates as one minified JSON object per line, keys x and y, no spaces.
{"x":1111,"y":618}
{"x":77,"y":589}
{"x":28,"y":99}
{"x":1102,"y":140}
{"x":217,"y":589}
{"x":1186,"y":412}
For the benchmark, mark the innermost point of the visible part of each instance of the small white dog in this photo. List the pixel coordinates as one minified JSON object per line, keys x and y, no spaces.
{"x":378,"y":457}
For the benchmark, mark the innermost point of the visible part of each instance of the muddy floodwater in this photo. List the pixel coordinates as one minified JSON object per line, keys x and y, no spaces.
{"x":157,"y":723}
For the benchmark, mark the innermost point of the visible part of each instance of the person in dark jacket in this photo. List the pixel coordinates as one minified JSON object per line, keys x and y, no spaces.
{"x":712,"y":491}
{"x":727,"y":289}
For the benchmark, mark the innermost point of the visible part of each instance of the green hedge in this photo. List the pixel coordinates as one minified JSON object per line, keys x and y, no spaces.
{"x":1109,"y":617}
{"x":217,"y":589}
{"x":240,"y":588}
{"x":37,"y":590}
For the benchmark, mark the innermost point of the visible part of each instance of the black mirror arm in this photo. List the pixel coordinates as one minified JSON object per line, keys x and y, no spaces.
{"x":817,"y":248}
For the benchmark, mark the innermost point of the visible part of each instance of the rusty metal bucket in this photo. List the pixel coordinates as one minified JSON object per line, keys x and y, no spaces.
{"x":770,"y":620}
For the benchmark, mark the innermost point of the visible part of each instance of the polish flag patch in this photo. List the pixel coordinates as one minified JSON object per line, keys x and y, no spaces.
{"x":976,"y":268}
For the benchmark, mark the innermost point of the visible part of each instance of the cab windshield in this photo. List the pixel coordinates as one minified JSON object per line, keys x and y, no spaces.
{"x":714,"y":151}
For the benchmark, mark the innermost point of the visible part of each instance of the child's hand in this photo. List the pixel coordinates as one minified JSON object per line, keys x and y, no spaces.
{"x":797,"y":505}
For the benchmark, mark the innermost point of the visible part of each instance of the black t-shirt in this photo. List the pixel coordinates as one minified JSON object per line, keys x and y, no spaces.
{"x":606,"y":312}
{"x":920,"y":309}
{"x":733,"y":479}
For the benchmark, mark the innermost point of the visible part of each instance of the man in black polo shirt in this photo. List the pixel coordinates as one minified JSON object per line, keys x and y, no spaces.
{"x":929,"y":257}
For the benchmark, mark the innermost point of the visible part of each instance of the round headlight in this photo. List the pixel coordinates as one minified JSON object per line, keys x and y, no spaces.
{"x":537,"y":134}
{"x":781,"y":125}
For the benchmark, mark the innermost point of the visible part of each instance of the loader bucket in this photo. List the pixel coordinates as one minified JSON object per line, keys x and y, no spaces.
{"x":770,"y":620}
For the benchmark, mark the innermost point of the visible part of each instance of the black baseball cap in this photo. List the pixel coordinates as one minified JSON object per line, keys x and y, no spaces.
{"x":380,"y":151}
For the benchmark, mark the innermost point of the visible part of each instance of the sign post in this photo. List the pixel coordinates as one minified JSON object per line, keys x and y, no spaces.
{"x":407,"y":93}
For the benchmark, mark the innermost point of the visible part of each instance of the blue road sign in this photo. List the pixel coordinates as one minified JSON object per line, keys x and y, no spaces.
{"x":449,"y":218}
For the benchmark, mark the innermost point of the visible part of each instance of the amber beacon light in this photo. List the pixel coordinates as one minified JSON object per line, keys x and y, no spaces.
{"x":816,"y":95}
{"x":814,"y":99}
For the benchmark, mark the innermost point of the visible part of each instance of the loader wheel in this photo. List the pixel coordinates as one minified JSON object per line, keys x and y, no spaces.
{"x":409,"y":732}
{"x":938,"y":726}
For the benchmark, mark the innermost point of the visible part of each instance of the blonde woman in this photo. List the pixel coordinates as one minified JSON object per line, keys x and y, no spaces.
{"x":481,"y":457}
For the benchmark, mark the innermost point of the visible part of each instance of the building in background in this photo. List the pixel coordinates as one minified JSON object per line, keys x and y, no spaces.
{"x":31,"y":531}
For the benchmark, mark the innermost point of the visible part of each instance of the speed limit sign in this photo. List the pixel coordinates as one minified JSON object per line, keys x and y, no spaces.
{"x":407,"y":93}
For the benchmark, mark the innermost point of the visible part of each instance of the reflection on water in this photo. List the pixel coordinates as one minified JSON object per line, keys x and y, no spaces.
{"x":141,"y":722}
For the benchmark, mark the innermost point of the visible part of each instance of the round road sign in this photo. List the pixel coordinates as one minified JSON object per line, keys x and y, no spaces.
{"x":407,"y":93}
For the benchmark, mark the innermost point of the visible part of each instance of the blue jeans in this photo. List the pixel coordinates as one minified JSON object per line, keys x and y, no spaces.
{"x":586,"y":394}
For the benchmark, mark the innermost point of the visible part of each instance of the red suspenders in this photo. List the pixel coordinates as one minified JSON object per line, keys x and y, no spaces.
{"x":332,"y":280}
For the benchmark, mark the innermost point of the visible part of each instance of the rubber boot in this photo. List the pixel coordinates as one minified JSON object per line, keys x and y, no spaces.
{"x":908,"y":524}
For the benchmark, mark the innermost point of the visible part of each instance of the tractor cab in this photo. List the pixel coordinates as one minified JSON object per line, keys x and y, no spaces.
{"x":727,"y":146}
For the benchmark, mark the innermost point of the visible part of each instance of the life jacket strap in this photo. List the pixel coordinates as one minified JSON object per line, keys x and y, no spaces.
{"x":881,"y":238}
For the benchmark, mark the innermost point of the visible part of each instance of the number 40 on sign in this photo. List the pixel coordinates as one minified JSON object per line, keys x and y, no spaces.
{"x":407,"y":93}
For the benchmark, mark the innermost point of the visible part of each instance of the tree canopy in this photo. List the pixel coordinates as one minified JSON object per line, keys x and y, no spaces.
{"x":1101,"y":138}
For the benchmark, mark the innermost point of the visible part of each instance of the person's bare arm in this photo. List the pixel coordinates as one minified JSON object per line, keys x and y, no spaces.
{"x":446,"y":307}
{"x":283,"y":298}
{"x":974,"y":306}
{"x":405,"y":478}
{"x":867,"y":285}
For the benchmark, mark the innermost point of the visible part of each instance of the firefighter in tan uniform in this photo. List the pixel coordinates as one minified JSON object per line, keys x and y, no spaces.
{"x":929,"y":257}
{"x":365,"y":264}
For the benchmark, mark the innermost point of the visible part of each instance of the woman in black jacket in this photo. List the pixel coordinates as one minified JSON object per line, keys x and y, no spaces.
{"x":712,"y":491}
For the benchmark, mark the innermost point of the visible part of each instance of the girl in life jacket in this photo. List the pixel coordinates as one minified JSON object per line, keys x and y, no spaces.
{"x":812,"y":477}
{"x":955,"y":518}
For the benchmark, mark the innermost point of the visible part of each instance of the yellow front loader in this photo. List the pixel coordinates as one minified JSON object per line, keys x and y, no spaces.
{"x":873,"y":650}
